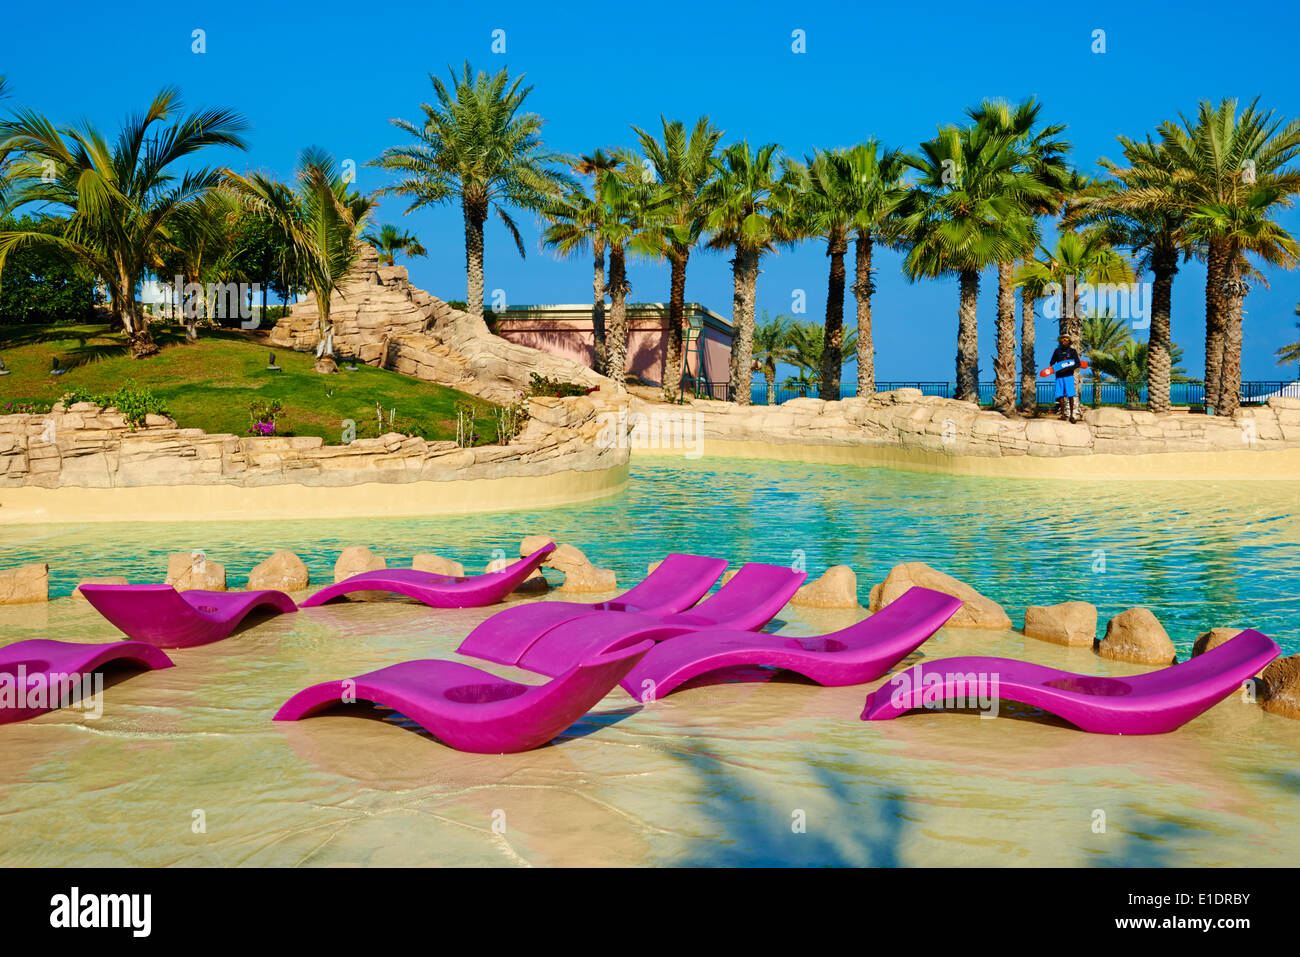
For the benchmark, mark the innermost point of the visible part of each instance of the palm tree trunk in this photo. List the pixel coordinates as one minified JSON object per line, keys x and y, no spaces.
{"x":744,"y":280}
{"x":598,"y":305}
{"x":1159,"y":361}
{"x":616,"y":333}
{"x":968,"y":338}
{"x":1216,"y":271}
{"x":1028,"y":361}
{"x":833,"y":336}
{"x":863,"y":288}
{"x":1004,"y":366}
{"x":676,"y":319}
{"x":1230,"y":366}
{"x":475,"y":216}
{"x":769,"y":373}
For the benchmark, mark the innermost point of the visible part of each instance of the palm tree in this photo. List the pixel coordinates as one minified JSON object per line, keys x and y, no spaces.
{"x":682,"y":165}
{"x":631,"y":210}
{"x":1102,"y":336}
{"x":1290,"y":352}
{"x":772,"y":346}
{"x":1127,"y":363}
{"x":1234,"y":171}
{"x":192,"y":249}
{"x":1042,"y":155}
{"x":965,"y":214}
{"x":1140,"y":208}
{"x":322,"y":219}
{"x":390,"y":241}
{"x":1061,"y":273}
{"x":1244,"y":227}
{"x":749,"y":213}
{"x":583,"y":212}
{"x":875,"y":189}
{"x":475,"y":146}
{"x":806,"y":342}
{"x":122,"y":198}
{"x":822,"y":208}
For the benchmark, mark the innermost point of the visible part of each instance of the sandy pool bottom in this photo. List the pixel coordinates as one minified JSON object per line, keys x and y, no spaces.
{"x":186,"y":767}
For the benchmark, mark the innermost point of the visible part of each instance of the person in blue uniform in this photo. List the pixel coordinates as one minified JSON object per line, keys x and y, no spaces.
{"x":1067,"y":399}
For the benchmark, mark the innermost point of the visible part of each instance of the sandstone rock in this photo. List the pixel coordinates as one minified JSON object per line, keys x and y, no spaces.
{"x":437,"y":565}
{"x":652,"y":566}
{"x":1071,"y":623}
{"x":1212,"y":639}
{"x":1281,"y":687}
{"x":837,"y":588}
{"x":535,"y":583}
{"x":354,"y":560}
{"x":194,"y":570}
{"x":1136,"y":635}
{"x":588,"y":578}
{"x":24,"y":584}
{"x":283,"y":571}
{"x":108,"y":580}
{"x":532,"y":543}
{"x":977,"y":611}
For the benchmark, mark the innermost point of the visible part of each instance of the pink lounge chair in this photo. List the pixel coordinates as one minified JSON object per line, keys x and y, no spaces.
{"x":40,"y":674}
{"x":439,"y":591}
{"x":470,"y":709}
{"x":854,"y":655}
{"x":166,"y":618}
{"x":677,"y":584}
{"x":746,"y":603}
{"x":1150,"y":703}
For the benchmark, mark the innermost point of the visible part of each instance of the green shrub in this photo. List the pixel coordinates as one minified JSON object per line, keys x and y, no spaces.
{"x":541,"y":385}
{"x":135,"y":402}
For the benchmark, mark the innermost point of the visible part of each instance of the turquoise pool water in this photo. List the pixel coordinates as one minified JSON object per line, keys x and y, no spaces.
{"x":1198,"y":554}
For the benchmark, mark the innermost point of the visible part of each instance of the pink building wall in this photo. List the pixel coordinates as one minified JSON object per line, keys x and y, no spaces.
{"x":564,"y":334}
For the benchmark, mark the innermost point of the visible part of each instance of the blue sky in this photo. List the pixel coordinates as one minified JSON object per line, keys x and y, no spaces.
{"x":332,"y":74}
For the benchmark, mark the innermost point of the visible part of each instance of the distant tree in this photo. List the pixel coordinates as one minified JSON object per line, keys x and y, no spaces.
{"x":40,"y":283}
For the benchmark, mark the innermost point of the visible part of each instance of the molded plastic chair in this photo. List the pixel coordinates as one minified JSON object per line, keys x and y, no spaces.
{"x":49,"y":671}
{"x":853,"y":655}
{"x":1151,"y":703}
{"x":440,"y":591}
{"x":677,"y":584}
{"x":164,"y":617}
{"x":470,"y":709}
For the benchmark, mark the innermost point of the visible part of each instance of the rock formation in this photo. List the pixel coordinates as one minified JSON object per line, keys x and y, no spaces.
{"x":976,"y":611}
{"x":837,"y":588}
{"x":283,"y":571}
{"x":194,"y":570}
{"x":1072,"y":623}
{"x":1136,"y":635}
{"x":382,"y":319}
{"x":26,"y":583}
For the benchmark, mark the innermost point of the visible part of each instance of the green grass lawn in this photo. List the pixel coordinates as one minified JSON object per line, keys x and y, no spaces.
{"x":209,"y":384}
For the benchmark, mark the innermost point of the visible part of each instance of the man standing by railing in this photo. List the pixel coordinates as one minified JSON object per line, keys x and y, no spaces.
{"x":1065,"y":362}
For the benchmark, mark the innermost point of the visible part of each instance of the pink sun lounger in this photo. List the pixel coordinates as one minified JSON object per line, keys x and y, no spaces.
{"x":439,"y":591}
{"x":677,"y":584}
{"x":470,"y":709}
{"x":748,"y":602}
{"x":40,"y":674}
{"x":853,"y":655}
{"x":164,"y":617}
{"x":1150,"y":703}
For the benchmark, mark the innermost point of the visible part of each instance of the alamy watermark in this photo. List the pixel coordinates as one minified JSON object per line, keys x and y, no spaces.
{"x":919,"y":688}
{"x":49,"y":690}
{"x":1128,"y":301}
{"x":214,"y":300}
{"x":654,"y":430}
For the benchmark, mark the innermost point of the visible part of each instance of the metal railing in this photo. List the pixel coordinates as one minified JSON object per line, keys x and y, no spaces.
{"x":1107,"y":393}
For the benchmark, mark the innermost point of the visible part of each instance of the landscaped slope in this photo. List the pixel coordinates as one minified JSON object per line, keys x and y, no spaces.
{"x":209,"y":384}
